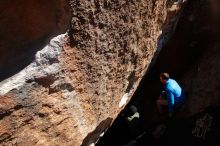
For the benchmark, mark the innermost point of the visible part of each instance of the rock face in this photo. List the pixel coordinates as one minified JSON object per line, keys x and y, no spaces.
{"x":190,"y":57}
{"x":201,"y":81}
{"x":74,"y":87}
{"x":26,"y":25}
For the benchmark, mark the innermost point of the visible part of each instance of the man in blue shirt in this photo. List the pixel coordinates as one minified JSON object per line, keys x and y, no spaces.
{"x":172,"y":95}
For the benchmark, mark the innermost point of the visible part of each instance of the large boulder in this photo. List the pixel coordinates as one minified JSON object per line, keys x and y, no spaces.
{"x":69,"y":91}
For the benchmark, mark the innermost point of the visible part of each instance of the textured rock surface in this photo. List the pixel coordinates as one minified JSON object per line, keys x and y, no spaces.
{"x":26,"y":25}
{"x":202,"y":79}
{"x":78,"y":83}
{"x":191,"y":57}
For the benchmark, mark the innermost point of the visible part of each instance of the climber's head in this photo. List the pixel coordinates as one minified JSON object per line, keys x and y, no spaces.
{"x":133,"y":109}
{"x":164,"y":77}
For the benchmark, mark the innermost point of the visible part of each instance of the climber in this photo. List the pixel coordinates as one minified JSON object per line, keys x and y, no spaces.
{"x":132,"y":120}
{"x":172,"y":96}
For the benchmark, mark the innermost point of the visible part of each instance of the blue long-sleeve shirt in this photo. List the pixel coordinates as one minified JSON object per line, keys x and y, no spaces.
{"x":174,"y":93}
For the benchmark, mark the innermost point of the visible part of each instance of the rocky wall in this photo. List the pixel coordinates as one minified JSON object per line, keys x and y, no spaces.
{"x":72,"y":89}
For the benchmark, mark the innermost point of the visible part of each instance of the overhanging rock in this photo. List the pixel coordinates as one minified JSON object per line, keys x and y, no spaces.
{"x":75,"y":86}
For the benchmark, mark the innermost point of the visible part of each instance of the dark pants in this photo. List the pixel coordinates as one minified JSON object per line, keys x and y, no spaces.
{"x":162,"y":104}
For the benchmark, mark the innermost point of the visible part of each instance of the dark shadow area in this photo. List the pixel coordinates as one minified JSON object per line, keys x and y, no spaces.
{"x":26,"y":27}
{"x":201,"y":129}
{"x":23,"y":58}
{"x":193,"y":34}
{"x":95,"y":135}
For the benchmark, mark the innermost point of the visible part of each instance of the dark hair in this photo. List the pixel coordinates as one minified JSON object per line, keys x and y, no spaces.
{"x":165,"y":76}
{"x":133,"y":109}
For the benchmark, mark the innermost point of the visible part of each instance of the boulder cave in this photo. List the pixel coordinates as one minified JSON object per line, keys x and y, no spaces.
{"x":69,"y":69}
{"x":191,"y":56}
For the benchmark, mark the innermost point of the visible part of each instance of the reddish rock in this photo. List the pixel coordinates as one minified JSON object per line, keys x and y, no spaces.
{"x":74,"y":87}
